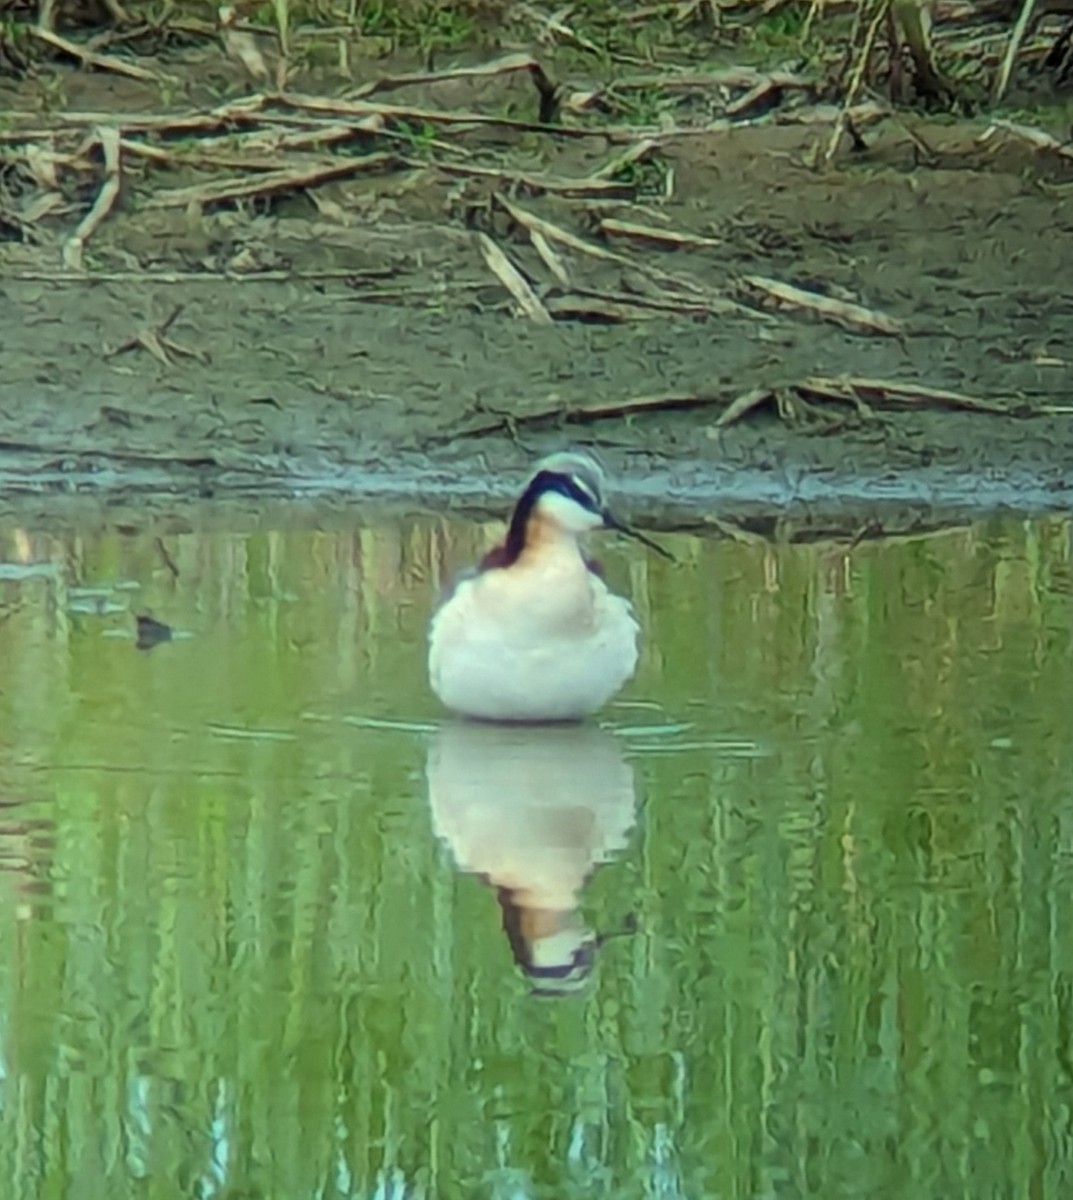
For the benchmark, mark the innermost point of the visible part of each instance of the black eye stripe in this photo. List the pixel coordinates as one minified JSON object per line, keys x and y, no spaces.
{"x":573,"y":489}
{"x":542,"y":483}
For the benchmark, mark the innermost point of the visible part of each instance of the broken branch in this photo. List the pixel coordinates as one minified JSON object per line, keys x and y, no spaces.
{"x":75,"y":246}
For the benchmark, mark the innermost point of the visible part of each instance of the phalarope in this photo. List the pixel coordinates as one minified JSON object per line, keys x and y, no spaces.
{"x":534,"y":634}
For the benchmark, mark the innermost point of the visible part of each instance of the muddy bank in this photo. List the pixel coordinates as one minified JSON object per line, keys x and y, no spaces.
{"x":363,"y":346}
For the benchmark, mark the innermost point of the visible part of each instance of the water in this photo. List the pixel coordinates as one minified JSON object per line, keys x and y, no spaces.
{"x":268,"y":926}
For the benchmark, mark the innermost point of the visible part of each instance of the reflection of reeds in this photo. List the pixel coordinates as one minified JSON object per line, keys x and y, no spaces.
{"x":26,"y":845}
{"x":256,"y":968}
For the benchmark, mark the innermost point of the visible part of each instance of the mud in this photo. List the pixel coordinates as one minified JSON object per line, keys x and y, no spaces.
{"x":360,"y":348}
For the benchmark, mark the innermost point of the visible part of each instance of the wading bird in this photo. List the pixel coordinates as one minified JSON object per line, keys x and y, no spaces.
{"x":534,"y":634}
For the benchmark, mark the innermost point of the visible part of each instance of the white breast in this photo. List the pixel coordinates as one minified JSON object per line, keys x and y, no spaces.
{"x":542,"y":640}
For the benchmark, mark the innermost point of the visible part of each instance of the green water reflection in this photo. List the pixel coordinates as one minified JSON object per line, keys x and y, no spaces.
{"x":819,"y":860}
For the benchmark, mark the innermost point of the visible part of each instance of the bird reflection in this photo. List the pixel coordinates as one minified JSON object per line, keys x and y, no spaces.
{"x":533,"y":811}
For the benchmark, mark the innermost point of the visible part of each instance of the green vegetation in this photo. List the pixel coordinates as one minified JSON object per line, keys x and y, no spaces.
{"x":418,"y":23}
{"x":594,"y":29}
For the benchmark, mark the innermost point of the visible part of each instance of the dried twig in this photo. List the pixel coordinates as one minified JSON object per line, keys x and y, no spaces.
{"x":620,"y":307}
{"x":603,"y":310}
{"x":155,"y":340}
{"x":102,"y":62}
{"x":558,"y":411}
{"x":543,"y":82}
{"x":893,"y":393}
{"x":683,"y":306}
{"x":75,"y":246}
{"x":227,"y":116}
{"x":743,"y":405}
{"x":530,"y":221}
{"x":756,"y":97}
{"x":856,"y":78}
{"x":346,"y":274}
{"x":430,"y":116}
{"x":1017,"y":36}
{"x":589,"y":187}
{"x":513,"y":280}
{"x":859,"y":115}
{"x":652,"y":233}
{"x":865,"y":395}
{"x":553,"y":25}
{"x":640,"y":151}
{"x":288,"y":179}
{"x":1039,"y":139}
{"x":776,"y":294}
{"x":726,"y":77}
{"x":549,"y":257}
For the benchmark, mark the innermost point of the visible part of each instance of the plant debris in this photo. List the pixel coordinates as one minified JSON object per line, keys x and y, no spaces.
{"x":865,"y":396}
{"x":75,"y":245}
{"x":513,"y":280}
{"x":254,"y":151}
{"x":156,"y":340}
{"x":774,"y":294}
{"x":658,"y":199}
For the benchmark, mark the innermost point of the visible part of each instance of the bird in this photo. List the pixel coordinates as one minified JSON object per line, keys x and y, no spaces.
{"x":534,"y":634}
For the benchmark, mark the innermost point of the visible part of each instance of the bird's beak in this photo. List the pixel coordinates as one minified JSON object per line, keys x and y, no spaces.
{"x":612,"y":522}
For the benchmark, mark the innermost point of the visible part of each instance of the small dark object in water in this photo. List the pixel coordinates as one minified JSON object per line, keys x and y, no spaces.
{"x":151,"y":632}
